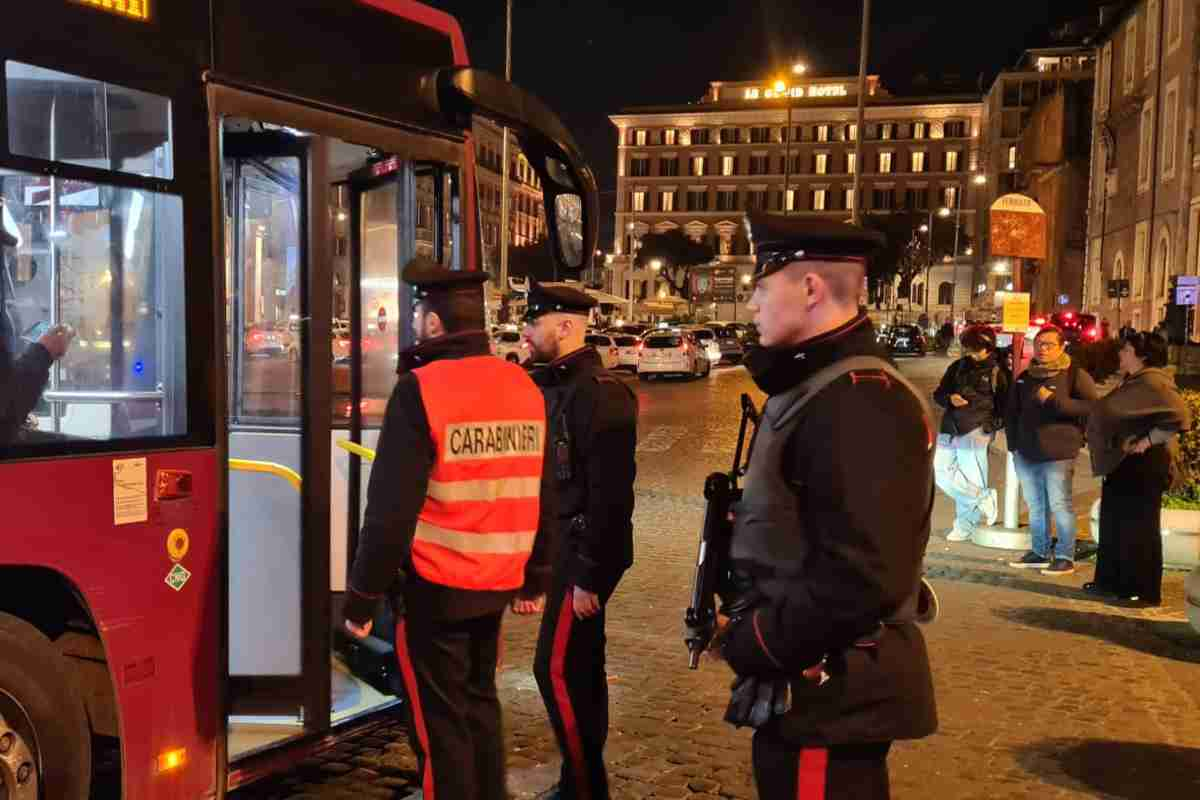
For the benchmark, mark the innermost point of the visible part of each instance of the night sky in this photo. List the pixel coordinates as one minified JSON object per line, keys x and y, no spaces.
{"x":590,"y":58}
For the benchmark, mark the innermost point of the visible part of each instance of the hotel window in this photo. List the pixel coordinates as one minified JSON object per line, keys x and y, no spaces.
{"x":920,"y":130}
{"x":821,"y":163}
{"x":886,"y":130}
{"x":955,"y":130}
{"x":728,"y":165}
{"x":789,"y":200}
{"x":849,"y":200}
{"x":951,"y":161}
{"x":918,"y":161}
{"x":757,"y":200}
{"x":950,"y":197}
{"x":1130,"y":44}
{"x":885,"y":163}
{"x":700,"y":136}
{"x":818,"y":199}
{"x":697,"y":165}
{"x":1012,"y":156}
{"x":1170,"y":124}
{"x":639,"y":137}
{"x":760,"y":135}
{"x":1151,"y":35}
{"x":639,"y":167}
{"x":669,"y":136}
{"x":731,"y":135}
{"x":697,"y":200}
{"x":851,"y":163}
{"x":668,"y":167}
{"x":851,"y":132}
{"x":821,"y":133}
{"x":760,"y":165}
{"x":638,"y":202}
{"x":884,"y":199}
{"x":917,"y":199}
{"x":727,"y":200}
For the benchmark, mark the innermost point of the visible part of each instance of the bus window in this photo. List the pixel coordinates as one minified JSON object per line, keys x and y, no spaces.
{"x":108,"y":261}
{"x":60,"y":117}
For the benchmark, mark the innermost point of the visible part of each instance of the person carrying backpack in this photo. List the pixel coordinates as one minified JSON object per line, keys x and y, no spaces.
{"x":972,"y":391}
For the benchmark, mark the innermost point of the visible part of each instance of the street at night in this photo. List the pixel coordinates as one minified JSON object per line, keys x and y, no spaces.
{"x":1042,"y":691}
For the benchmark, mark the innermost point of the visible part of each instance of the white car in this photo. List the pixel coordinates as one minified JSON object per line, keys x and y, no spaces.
{"x":708,"y":342}
{"x":610,"y":354}
{"x":508,"y":345}
{"x":627,"y":351}
{"x":672,"y":352}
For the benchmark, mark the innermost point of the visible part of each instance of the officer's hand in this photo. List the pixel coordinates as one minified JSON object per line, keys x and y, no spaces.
{"x":958,"y":401}
{"x":525,"y":606}
{"x":584,"y":603}
{"x":57,"y":340}
{"x":359,"y":631}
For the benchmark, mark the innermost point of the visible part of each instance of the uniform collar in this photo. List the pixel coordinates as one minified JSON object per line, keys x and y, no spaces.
{"x":777,"y":369}
{"x":585,"y":360}
{"x":453,"y":345}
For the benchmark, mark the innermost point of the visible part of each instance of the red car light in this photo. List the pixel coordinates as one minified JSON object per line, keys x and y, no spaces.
{"x":1040,"y":321}
{"x":1092,"y":333}
{"x":1070,"y":315}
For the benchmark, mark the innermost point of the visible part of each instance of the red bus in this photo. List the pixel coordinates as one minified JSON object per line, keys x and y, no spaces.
{"x":200,"y":188}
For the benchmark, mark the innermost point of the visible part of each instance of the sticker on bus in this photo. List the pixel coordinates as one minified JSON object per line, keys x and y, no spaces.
{"x":177,"y":577}
{"x":130,"y":494}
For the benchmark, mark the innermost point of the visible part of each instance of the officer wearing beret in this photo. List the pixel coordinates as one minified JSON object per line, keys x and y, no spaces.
{"x":458,"y":524}
{"x":593,"y":434}
{"x":831,"y":530}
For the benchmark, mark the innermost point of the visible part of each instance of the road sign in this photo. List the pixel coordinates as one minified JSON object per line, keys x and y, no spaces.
{"x":1186,"y":295}
{"x":1018,"y":228}
{"x":1016,"y":312}
{"x":1187,"y":280}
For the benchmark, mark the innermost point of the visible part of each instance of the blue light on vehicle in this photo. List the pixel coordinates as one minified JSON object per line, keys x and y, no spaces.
{"x":139,"y":367}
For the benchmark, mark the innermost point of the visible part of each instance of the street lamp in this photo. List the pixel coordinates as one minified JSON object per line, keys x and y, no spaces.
{"x":980,"y":179}
{"x":781,"y":88}
{"x":745,"y":280}
{"x":656,"y":264}
{"x":799,"y":68}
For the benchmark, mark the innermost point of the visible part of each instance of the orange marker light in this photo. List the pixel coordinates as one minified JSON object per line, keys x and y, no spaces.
{"x":171,"y":760}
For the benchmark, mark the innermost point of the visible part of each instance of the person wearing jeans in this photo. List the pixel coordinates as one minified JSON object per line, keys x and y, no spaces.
{"x":1047,"y":410}
{"x":972,"y":392}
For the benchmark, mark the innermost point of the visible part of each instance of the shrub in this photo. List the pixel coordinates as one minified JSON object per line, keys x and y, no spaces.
{"x":1188,"y":497}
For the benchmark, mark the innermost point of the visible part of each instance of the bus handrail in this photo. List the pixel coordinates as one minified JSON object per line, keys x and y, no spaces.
{"x":248,"y":465}
{"x":357,"y":449}
{"x":102,"y":397}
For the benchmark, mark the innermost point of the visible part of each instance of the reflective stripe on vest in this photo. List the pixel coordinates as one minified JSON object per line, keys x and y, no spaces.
{"x":478,"y":525}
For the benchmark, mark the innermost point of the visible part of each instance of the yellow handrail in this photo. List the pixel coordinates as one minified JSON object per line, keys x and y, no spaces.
{"x":356,"y":449}
{"x":287,"y":473}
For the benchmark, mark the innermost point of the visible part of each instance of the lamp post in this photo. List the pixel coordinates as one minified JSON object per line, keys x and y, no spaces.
{"x":781,"y":87}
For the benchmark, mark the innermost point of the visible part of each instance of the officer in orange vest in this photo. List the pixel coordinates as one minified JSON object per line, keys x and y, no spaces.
{"x":458,"y":525}
{"x":593,"y":434}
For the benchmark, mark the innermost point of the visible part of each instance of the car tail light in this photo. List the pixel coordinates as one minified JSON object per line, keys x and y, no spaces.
{"x":1040,"y":321}
{"x":1070,"y":315}
{"x":640,"y":346}
{"x":1092,"y":333}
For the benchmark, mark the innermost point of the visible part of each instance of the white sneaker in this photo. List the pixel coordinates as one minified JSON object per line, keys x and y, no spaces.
{"x":955,"y":535}
{"x":990,"y":507}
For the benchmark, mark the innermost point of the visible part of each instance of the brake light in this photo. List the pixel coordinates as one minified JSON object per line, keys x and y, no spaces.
{"x":1070,"y":315}
{"x":1040,"y":321}
{"x":1092,"y":333}
{"x":640,"y":346}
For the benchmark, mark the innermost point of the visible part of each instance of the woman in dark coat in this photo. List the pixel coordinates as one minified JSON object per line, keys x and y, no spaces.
{"x":1131,"y":433}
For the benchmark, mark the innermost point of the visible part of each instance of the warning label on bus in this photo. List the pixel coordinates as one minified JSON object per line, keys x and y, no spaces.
{"x":473,"y":441}
{"x":130,"y":491}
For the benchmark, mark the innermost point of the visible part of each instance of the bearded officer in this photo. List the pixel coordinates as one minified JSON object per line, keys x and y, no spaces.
{"x":458,"y":523}
{"x":831,"y":531}
{"x":593,"y":434}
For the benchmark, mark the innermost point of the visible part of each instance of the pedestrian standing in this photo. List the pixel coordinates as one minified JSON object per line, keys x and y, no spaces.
{"x":831,"y":530}
{"x":1131,"y":435}
{"x":1044,"y":421}
{"x":972,"y":391}
{"x":458,"y":524}
{"x":593,"y":435}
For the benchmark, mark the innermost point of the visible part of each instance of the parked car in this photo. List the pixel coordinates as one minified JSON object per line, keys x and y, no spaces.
{"x":627,"y":351}
{"x":508,"y":345}
{"x":629,"y":330}
{"x":707,"y":339}
{"x":672,"y":352}
{"x":907,"y":340}
{"x":610,"y":354}
{"x":263,"y":339}
{"x":729,"y":342}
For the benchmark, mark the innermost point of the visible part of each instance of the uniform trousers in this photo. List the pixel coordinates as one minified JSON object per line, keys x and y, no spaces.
{"x":785,"y":771}
{"x":569,"y":667}
{"x":454,"y":718}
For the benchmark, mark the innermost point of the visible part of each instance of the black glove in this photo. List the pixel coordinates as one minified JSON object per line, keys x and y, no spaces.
{"x":756,"y":700}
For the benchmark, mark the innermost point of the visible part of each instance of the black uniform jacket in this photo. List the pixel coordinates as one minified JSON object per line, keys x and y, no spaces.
{"x":595,"y":505}
{"x":984,"y":385}
{"x":861,"y":460}
{"x":396,"y":493}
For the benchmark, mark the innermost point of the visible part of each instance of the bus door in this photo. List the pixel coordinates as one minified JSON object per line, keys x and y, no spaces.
{"x":275,"y":607}
{"x":398,"y":208}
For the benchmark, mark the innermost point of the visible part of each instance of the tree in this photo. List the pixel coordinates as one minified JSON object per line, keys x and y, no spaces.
{"x":679,"y":256}
{"x":532,"y":261}
{"x":907,"y":251}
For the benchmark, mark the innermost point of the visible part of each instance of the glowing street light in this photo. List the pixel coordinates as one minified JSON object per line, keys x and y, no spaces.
{"x":980,"y":179}
{"x":799,"y":68}
{"x":970,"y":251}
{"x":780,"y":87}
{"x":745,"y":280}
{"x":943,"y":212}
{"x":924,"y":228}
{"x":656,"y":264}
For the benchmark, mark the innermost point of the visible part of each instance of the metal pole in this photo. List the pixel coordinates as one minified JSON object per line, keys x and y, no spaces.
{"x":954,"y":268}
{"x":928,"y":260}
{"x":856,"y":215}
{"x":787,"y":155}
{"x":504,"y":202}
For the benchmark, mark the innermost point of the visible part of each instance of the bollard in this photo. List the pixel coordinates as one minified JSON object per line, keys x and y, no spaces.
{"x":1012,"y":490}
{"x":1011,"y":536}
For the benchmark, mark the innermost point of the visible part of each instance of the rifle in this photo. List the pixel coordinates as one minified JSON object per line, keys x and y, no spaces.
{"x":721,"y":490}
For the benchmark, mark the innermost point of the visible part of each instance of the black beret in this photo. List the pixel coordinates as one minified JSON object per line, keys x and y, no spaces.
{"x":550,"y":298}
{"x":426,"y":275}
{"x":779,"y":240}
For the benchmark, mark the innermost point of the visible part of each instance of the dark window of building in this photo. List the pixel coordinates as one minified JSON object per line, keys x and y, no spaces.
{"x":639,"y":167}
{"x":757,"y":200}
{"x":668,"y":167}
{"x":731,"y":135}
{"x":727,"y":201}
{"x":956,"y":129}
{"x":883,"y":199}
{"x":760,"y":135}
{"x":945,"y":294}
{"x":760,"y":165}
{"x":700,"y":136}
{"x":697,"y":201}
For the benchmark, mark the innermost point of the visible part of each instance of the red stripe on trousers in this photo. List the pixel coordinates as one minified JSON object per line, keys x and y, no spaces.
{"x":810,"y":775}
{"x":414,"y":697}
{"x":558,"y":677}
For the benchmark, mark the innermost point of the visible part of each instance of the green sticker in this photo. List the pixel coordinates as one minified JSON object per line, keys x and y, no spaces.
{"x":177,"y":577}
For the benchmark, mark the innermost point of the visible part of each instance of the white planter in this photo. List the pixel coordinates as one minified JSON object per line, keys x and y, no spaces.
{"x":1180,"y":536}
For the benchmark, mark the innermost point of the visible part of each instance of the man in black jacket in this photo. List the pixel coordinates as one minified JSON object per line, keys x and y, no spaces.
{"x":23,"y":371}
{"x":459,"y":524}
{"x":972,"y":391}
{"x":593,"y":435}
{"x":1046,"y":416}
{"x":831,"y":530}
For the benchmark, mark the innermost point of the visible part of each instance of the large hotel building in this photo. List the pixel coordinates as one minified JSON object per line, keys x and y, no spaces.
{"x":790,"y":149}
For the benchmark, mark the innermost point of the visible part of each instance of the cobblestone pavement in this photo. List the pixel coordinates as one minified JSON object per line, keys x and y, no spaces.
{"x":1042,"y":691}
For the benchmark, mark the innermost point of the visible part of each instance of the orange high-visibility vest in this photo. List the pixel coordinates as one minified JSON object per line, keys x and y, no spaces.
{"x":488,"y":422}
